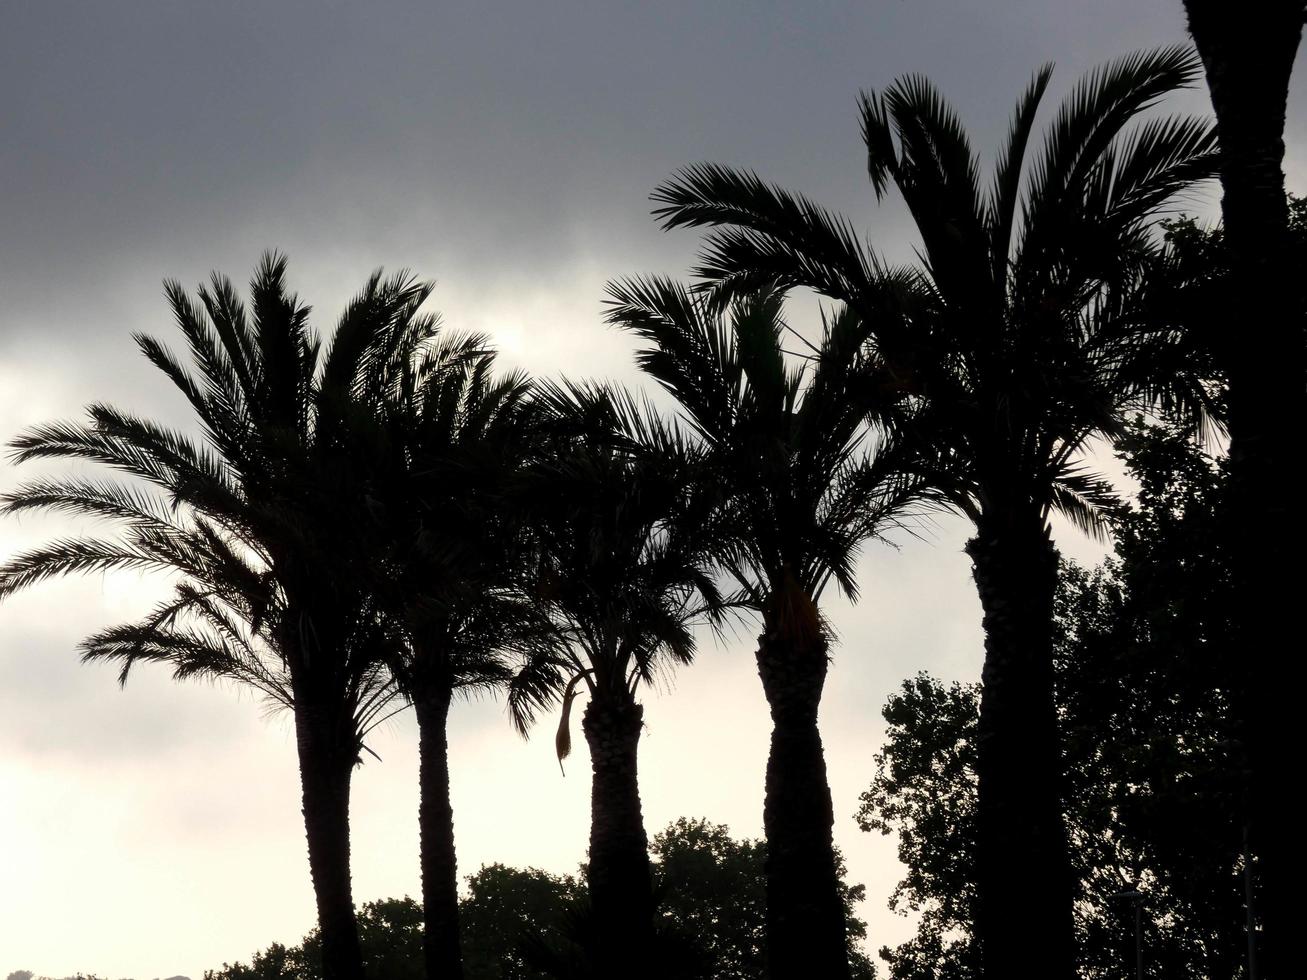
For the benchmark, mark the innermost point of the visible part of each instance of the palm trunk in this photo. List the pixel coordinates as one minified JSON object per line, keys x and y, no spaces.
{"x":440,"y":936}
{"x":1248,"y":54}
{"x":805,"y":914}
{"x":1024,"y":881}
{"x":621,"y":895}
{"x":327,"y":755}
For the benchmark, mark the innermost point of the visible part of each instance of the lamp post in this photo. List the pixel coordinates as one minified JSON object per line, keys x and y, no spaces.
{"x":1249,"y":912}
{"x":1136,"y":896}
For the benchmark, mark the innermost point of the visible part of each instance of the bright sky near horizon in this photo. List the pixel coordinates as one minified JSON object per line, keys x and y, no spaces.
{"x":507,"y":150}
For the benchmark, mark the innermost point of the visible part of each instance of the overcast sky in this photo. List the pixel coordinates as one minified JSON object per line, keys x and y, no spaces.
{"x":507,"y":151}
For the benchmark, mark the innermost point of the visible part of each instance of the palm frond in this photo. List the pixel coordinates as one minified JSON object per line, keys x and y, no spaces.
{"x":101,"y":499}
{"x":1005,"y":192}
{"x":1084,"y":132}
{"x":806,"y":245}
{"x":537,"y":685}
{"x":193,"y":654}
{"x":563,"y":737}
{"x":1086,"y":500}
{"x":72,"y":556}
{"x":936,"y":172}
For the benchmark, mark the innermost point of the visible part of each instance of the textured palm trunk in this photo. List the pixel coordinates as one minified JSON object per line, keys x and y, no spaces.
{"x":440,"y":936}
{"x":805,"y":915}
{"x":1248,"y":53}
{"x":621,"y":894}
{"x":327,"y":755}
{"x":1024,"y":883}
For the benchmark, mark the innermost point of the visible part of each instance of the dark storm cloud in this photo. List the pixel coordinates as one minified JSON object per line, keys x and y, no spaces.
{"x":504,"y":149}
{"x":504,"y":135}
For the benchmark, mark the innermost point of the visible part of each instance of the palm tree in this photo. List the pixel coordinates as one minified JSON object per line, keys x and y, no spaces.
{"x":456,"y":437}
{"x":620,"y":523}
{"x":1021,"y":343}
{"x":263,"y":522}
{"x":1248,"y":55}
{"x":804,"y":482}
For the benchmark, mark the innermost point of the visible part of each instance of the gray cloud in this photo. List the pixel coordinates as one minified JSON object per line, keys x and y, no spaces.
{"x":506,"y":149}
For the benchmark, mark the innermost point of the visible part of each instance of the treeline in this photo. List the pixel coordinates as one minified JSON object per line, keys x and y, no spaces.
{"x":526,"y":924}
{"x":383,"y":519}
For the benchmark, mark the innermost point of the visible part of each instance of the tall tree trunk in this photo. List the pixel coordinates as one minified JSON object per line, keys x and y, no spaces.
{"x":621,"y":894}
{"x":805,"y":913}
{"x":328,"y":751}
{"x":1024,"y":882}
{"x":440,"y":937}
{"x":1248,"y":52}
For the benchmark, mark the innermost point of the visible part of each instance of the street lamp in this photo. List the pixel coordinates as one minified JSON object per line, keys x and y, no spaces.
{"x":1136,"y":896}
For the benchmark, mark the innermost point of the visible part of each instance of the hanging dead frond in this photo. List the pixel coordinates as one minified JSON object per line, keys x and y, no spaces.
{"x":563,"y":739}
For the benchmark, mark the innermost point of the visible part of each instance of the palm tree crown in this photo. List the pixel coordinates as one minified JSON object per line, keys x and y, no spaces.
{"x":456,"y":437}
{"x":264,"y":521}
{"x":1025,"y":317}
{"x":619,"y":516}
{"x":251,"y":515}
{"x":792,"y":443}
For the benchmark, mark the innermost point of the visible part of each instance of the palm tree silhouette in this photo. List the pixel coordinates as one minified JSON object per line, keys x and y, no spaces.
{"x":620,"y":519}
{"x":455,"y":438}
{"x":803,"y":482}
{"x":1020,"y":336}
{"x":1249,"y":56}
{"x":264,"y":522}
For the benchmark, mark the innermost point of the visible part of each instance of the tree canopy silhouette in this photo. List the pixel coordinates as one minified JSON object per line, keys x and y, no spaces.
{"x":527,"y":924}
{"x":619,"y":514}
{"x":263,"y":525}
{"x":1148,"y":695}
{"x":804,"y":478}
{"x":454,"y":438}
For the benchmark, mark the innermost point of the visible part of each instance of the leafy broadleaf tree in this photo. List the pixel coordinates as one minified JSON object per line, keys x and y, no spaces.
{"x":390,"y":937}
{"x":924,"y":792}
{"x":712,"y":902}
{"x":1147,"y":692}
{"x":619,"y":518}
{"x":791,"y":447}
{"x":1022,"y":333}
{"x":263,"y":524}
{"x":509,"y":912}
